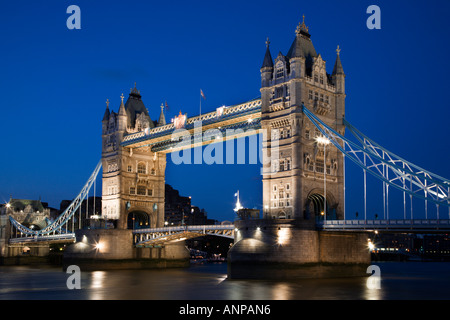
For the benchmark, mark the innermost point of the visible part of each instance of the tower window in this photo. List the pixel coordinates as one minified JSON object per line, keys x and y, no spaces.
{"x":150,"y":192}
{"x":153,"y":171}
{"x":141,"y":190}
{"x":141,"y":168}
{"x":288,"y":164}
{"x":288,"y":132}
{"x":132,"y":190}
{"x":130,"y":169}
{"x":319,"y":166}
{"x":280,"y":73}
{"x":279,"y":92}
{"x":310,"y":95}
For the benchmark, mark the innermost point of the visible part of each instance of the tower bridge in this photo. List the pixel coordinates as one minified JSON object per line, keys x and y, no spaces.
{"x":301,"y":118}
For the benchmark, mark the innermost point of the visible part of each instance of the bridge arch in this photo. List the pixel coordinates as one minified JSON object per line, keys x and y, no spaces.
{"x":138,"y":219}
{"x":314,"y":205}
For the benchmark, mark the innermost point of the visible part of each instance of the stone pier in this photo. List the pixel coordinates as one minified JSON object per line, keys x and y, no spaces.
{"x":101,"y":249}
{"x":288,"y":249}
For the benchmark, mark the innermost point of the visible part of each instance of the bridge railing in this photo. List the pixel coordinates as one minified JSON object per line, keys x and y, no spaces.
{"x":396,"y":224}
{"x":52,"y":237}
{"x":185,"y":228}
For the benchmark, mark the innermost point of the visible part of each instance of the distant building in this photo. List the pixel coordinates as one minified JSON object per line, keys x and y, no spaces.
{"x":427,"y":246}
{"x":180,"y":211}
{"x":32,"y":214}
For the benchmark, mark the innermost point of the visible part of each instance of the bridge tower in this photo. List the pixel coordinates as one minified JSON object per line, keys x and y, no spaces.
{"x":133,"y":180}
{"x":294,"y":182}
{"x":303,"y":182}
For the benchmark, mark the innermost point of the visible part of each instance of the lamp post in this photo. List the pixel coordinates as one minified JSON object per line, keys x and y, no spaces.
{"x":324,"y":141}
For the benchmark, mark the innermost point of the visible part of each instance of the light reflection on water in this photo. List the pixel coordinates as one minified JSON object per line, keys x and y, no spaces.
{"x":413,"y":280}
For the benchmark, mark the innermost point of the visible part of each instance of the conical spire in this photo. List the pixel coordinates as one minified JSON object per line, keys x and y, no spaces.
{"x":107,"y":113}
{"x":302,"y":45}
{"x":268,"y":62}
{"x":296,"y":48}
{"x":338,"y":69}
{"x":162,"y":119}
{"x":122,"y":107}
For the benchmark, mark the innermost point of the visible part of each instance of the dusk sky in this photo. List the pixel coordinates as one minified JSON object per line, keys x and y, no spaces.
{"x":55,"y":82}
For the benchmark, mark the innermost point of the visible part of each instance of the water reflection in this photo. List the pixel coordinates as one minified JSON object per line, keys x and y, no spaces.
{"x":209,"y":282}
{"x":372,"y":294}
{"x":97,"y":284}
{"x":281,"y":291}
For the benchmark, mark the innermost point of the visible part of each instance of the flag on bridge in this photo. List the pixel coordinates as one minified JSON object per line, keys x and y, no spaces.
{"x":167,"y":106}
{"x":202,"y":94}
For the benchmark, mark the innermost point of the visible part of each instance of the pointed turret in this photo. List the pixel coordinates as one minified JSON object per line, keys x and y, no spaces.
{"x":338,"y":69}
{"x":267,"y":67}
{"x":162,"y":119}
{"x":107,"y":113}
{"x":338,"y":74}
{"x":122,"y":111}
{"x":268,"y":62}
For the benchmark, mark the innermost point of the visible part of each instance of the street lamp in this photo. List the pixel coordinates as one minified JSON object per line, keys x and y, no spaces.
{"x":324,"y":141}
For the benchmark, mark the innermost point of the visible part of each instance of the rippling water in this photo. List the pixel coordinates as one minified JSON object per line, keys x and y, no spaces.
{"x":407,"y":280}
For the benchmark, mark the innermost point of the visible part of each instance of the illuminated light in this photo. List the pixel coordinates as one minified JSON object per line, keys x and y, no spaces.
{"x":8,"y":205}
{"x":371,"y":245}
{"x":99,"y":246}
{"x":322,"y":213}
{"x":250,"y":120}
{"x":258,"y":229}
{"x":266,"y":206}
{"x":283,"y":236}
{"x":322,"y":140}
{"x":236,"y":229}
{"x":238,"y":203}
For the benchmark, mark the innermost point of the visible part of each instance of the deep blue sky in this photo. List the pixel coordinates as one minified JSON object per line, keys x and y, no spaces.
{"x":54,"y":83}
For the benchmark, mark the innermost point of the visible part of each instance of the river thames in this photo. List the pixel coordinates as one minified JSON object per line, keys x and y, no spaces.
{"x":399,"y":281}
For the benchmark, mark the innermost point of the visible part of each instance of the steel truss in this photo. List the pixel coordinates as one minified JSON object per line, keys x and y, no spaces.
{"x":386,"y":166}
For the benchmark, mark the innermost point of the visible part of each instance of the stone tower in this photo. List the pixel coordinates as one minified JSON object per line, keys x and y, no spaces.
{"x":304,"y":166}
{"x":133,"y":179}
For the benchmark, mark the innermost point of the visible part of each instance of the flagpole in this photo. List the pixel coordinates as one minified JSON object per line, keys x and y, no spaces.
{"x":200,"y":101}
